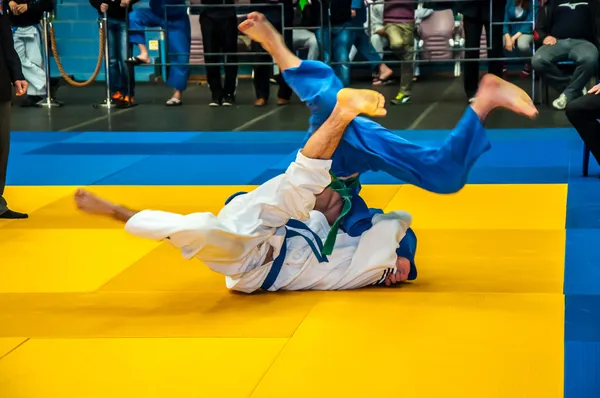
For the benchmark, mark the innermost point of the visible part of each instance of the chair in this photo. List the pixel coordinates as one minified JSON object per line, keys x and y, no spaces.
{"x":434,"y":35}
{"x":586,"y":160}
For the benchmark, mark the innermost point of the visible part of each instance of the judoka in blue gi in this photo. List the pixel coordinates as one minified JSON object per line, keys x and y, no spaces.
{"x":367,"y":146}
{"x":179,"y":38}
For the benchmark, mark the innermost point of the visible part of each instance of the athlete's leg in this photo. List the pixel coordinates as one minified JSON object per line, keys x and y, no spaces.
{"x":441,"y":169}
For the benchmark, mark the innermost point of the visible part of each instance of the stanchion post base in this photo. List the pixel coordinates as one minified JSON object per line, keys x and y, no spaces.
{"x":106,"y":105}
{"x":52,"y":103}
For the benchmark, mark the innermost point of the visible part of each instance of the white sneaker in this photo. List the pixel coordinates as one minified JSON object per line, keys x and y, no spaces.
{"x":560,"y":103}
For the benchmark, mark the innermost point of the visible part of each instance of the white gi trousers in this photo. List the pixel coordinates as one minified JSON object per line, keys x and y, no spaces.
{"x":236,"y":241}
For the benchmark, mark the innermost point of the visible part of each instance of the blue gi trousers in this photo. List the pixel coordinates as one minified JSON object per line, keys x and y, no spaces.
{"x":367,"y":146}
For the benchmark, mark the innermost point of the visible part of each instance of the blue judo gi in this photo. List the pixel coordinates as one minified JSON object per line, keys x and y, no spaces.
{"x":367,"y":146}
{"x":179,"y":35}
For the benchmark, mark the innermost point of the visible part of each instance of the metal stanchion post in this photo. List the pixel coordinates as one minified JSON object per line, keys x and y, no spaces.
{"x":48,"y":102}
{"x":108,"y":102}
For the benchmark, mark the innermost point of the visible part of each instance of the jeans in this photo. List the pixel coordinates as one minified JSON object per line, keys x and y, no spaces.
{"x":117,"y":57}
{"x":179,"y":40}
{"x":583,"y":53}
{"x":339,"y":41}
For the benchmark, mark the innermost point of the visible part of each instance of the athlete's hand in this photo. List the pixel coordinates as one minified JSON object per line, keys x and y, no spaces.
{"x":103,"y":7}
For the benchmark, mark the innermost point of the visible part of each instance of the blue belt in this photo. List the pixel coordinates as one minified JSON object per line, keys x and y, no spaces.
{"x":290,"y":233}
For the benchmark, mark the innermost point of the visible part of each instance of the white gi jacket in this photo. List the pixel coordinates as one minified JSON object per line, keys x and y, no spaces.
{"x":236,"y":241}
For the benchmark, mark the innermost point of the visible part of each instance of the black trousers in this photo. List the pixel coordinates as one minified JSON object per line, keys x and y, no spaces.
{"x":220,"y":35}
{"x":473,"y":28}
{"x":583,"y":113}
{"x":262,"y":73}
{"x":4,"y":148}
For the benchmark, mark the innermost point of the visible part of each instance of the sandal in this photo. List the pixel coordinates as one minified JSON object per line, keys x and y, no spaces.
{"x":136,"y":61}
{"x":382,"y":82}
{"x":174,"y":102}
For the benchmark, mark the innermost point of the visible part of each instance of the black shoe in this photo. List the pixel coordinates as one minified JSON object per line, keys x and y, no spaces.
{"x":215,"y":102}
{"x":13,"y":215}
{"x":228,"y":100}
{"x":31,"y":100}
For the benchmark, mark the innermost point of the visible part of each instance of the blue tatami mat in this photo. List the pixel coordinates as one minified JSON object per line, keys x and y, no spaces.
{"x":534,"y":156}
{"x":193,"y":170}
{"x":68,"y":170}
{"x":582,"y":262}
{"x":582,"y":362}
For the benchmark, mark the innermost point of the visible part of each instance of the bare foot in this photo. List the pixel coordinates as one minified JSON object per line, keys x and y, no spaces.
{"x":497,"y":93}
{"x":92,"y":204}
{"x":258,"y":28}
{"x":367,"y":102}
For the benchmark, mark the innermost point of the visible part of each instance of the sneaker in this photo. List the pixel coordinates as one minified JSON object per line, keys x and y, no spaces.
{"x":401,"y":99}
{"x":117,"y":96}
{"x":560,"y":103}
{"x":526,"y":72}
{"x":228,"y":100}
{"x":215,"y":102}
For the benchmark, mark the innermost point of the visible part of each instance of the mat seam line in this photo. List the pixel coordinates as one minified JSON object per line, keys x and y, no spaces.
{"x":283,"y":348}
{"x":14,"y":349}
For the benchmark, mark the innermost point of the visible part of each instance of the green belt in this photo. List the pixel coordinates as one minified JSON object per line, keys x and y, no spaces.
{"x":345,"y":188}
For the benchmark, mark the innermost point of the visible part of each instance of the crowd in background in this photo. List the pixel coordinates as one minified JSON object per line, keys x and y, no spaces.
{"x":560,"y":37}
{"x":336,"y":31}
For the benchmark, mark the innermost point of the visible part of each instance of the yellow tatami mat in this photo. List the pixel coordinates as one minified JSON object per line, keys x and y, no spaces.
{"x":108,"y":314}
{"x":9,"y":344}
{"x":149,"y":368}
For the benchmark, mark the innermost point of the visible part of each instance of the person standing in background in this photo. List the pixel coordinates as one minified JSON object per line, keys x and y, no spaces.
{"x":121,"y":72}
{"x":10,"y":74}
{"x":25,"y":17}
{"x":476,"y":16}
{"x":179,"y":40}
{"x":262,"y":73}
{"x":362,"y":43}
{"x":305,"y":39}
{"x":220,"y":35}
{"x":399,"y":27}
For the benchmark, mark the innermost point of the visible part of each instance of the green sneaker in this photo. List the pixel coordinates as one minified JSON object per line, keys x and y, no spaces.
{"x":401,"y":99}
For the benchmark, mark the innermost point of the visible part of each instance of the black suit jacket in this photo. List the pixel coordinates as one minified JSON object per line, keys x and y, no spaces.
{"x":481,"y":9}
{"x":10,"y":65}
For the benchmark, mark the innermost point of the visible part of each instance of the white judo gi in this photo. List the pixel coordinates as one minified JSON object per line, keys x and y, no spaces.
{"x":235,"y":243}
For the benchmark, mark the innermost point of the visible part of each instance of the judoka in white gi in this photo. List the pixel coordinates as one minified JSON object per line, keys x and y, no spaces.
{"x":271,"y":237}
